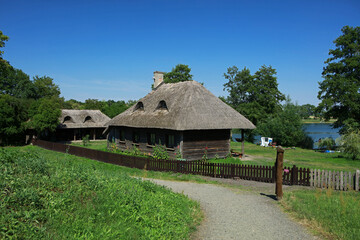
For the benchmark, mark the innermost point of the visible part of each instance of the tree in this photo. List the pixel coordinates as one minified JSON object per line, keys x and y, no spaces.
{"x":340,"y":90}
{"x":15,"y":82}
{"x":285,"y":127}
{"x":180,"y":73}
{"x":12,"y":116}
{"x":3,"y":38}
{"x":46,"y":115}
{"x":255,"y":96}
{"x":307,"y":110}
{"x":45,"y":87}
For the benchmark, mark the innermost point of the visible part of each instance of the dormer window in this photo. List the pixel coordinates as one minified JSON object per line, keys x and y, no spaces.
{"x":162,"y":105}
{"x":139,"y":106}
{"x":68,"y":119}
{"x":88,"y":119}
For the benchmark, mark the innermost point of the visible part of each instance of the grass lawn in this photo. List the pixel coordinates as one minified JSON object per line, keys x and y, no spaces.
{"x":317,"y":120}
{"x":299,"y":157}
{"x":51,"y":195}
{"x":97,"y":145}
{"x":336,"y":215}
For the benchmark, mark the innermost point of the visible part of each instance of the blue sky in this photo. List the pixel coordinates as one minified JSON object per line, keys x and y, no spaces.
{"x":110,"y":49}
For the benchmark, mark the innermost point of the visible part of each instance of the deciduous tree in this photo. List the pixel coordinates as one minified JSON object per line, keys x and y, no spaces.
{"x":3,"y":39}
{"x":255,"y":96}
{"x":180,"y":73}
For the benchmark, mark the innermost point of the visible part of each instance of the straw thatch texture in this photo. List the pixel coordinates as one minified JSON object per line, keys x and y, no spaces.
{"x":82,"y":119}
{"x":190,"y":106}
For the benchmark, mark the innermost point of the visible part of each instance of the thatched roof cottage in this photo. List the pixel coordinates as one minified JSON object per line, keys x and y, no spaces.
{"x":75,"y":124}
{"x":184,"y":116}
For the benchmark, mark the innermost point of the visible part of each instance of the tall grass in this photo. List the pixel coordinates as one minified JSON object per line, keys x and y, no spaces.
{"x":337,"y":213}
{"x":66,"y":199}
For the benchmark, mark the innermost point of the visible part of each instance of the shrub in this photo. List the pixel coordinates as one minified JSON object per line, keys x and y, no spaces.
{"x":160,"y":152}
{"x":86,"y":140}
{"x":327,"y":143}
{"x":350,"y":144}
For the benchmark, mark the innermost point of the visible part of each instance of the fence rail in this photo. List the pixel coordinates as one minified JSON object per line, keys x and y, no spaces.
{"x":291,"y":175}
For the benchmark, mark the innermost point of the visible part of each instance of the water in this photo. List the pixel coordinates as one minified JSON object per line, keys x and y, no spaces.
{"x":314,"y":130}
{"x":321,"y":130}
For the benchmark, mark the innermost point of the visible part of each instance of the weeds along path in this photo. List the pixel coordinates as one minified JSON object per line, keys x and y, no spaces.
{"x":236,"y":214}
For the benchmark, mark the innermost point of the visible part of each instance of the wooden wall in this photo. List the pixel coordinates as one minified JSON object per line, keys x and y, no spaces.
{"x":192,"y":144}
{"x":114,"y":135}
{"x":195,"y":143}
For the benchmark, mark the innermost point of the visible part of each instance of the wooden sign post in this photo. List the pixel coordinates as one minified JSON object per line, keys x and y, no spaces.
{"x":279,"y":172}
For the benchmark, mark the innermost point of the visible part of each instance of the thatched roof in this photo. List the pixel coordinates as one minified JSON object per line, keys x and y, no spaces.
{"x":82,"y":119}
{"x":190,"y":106}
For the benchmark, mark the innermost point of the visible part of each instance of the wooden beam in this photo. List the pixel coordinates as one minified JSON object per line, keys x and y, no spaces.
{"x":242,"y":143}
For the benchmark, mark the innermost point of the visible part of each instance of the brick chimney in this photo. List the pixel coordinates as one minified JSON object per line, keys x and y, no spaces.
{"x":158,"y":78}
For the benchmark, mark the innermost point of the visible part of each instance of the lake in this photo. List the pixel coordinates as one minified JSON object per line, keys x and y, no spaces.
{"x":314,"y":130}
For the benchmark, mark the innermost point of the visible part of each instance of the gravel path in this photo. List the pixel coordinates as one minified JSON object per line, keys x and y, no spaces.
{"x":235,"y":214}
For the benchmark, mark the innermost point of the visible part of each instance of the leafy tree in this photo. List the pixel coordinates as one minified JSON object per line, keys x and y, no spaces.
{"x":12,"y":116}
{"x":340,"y":90}
{"x":113,"y":108}
{"x":3,"y":39}
{"x":307,"y":110}
{"x":285,"y":127}
{"x":73,"y":104}
{"x":94,"y":104}
{"x":45,"y":87}
{"x":255,"y":96}
{"x":46,"y":115}
{"x":180,"y":73}
{"x":15,"y":82}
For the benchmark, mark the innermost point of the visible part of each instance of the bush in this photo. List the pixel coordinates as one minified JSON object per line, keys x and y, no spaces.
{"x":285,"y":128}
{"x":86,"y":140}
{"x":350,"y":144}
{"x":160,"y":152}
{"x":327,"y":143}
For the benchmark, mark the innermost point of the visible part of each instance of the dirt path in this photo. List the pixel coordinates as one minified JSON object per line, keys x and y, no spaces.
{"x":236,"y":214}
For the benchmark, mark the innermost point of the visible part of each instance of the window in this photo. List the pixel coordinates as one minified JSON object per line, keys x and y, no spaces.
{"x":122,"y":135}
{"x":151,"y":138}
{"x":139,"y":106}
{"x":136,"y":137}
{"x":88,"y":118}
{"x":170,"y":141}
{"x":67,"y":119}
{"x":162,"y":105}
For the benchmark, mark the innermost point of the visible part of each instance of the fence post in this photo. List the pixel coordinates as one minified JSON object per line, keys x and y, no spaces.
{"x":293,"y":175}
{"x":357,"y":176}
{"x":279,"y":172}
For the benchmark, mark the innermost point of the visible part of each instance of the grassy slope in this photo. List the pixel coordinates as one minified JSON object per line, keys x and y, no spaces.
{"x":332,"y":214}
{"x":46,"y":194}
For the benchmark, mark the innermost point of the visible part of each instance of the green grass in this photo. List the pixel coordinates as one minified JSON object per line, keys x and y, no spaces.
{"x":97,"y":145}
{"x":333,"y":214}
{"x":299,"y":157}
{"x":317,"y":120}
{"x":52,"y":195}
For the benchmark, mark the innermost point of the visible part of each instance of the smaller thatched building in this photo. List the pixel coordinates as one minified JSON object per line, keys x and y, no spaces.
{"x":185,"y":117}
{"x":75,"y":124}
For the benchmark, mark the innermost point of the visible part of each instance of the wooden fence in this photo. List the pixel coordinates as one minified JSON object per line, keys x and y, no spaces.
{"x":291,"y":175}
{"x":337,"y":180}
